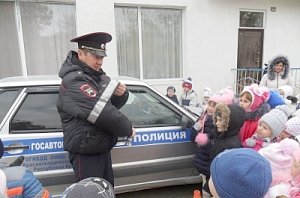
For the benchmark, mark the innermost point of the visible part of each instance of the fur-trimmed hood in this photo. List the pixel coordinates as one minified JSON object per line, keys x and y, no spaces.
{"x":233,"y":117}
{"x":276,"y":60}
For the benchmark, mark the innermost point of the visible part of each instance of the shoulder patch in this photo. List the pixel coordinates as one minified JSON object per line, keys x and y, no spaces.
{"x":88,"y":90}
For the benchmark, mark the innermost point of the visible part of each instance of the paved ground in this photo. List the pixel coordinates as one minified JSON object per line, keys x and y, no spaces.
{"x":168,"y":192}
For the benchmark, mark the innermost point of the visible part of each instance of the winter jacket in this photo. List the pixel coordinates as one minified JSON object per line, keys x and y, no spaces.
{"x":88,"y":109}
{"x":289,"y":189}
{"x":201,"y":160}
{"x":273,"y":80}
{"x":174,"y":98}
{"x":251,"y":121}
{"x":233,"y":117}
{"x":22,"y":183}
{"x":189,"y":98}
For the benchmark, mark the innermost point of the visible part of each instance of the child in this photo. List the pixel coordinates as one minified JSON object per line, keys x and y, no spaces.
{"x":292,"y":129}
{"x":240,"y":173}
{"x":203,"y":134}
{"x":207,"y":93}
{"x":253,"y":100}
{"x":275,"y":99}
{"x":228,"y":120}
{"x":171,"y":94}
{"x":295,"y":173}
{"x":20,"y":181}
{"x":280,"y":156}
{"x":90,"y":187}
{"x":291,"y":188}
{"x":269,"y":128}
{"x":189,"y":96}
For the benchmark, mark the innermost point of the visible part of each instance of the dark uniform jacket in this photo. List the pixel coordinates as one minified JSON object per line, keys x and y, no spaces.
{"x":88,"y":109}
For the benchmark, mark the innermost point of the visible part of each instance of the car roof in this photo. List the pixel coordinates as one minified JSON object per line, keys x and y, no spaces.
{"x":48,"y":80}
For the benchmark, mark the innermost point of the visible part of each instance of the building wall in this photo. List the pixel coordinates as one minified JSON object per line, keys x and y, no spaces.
{"x":210,"y":35}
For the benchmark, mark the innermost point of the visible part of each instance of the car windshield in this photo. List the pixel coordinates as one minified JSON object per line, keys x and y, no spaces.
{"x":7,"y":98}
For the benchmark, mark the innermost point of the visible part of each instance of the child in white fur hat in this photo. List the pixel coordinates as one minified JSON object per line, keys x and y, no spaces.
{"x":292,"y":129}
{"x":269,"y":128}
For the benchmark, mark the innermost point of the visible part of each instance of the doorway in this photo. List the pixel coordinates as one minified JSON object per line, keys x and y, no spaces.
{"x":250,"y":48}
{"x":249,"y":60}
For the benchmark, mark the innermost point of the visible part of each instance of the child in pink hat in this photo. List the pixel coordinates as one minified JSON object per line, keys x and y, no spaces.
{"x":203,"y":133}
{"x":280,"y":156}
{"x":290,"y":188}
{"x":253,"y":100}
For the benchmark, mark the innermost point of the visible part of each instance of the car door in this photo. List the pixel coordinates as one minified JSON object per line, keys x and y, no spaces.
{"x":161,"y":152}
{"x":32,"y":128}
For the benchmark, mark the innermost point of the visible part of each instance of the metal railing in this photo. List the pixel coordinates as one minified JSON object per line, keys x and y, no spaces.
{"x":248,"y":76}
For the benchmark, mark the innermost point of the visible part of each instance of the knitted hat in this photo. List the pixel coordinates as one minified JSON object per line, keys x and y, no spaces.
{"x":225,"y":96}
{"x":276,"y":119}
{"x":241,"y":172}
{"x":258,"y":94}
{"x":207,"y":92}
{"x":171,"y":88}
{"x":90,"y":187}
{"x":275,"y":99}
{"x":280,"y":155}
{"x":187,"y":83}
{"x":293,"y":126}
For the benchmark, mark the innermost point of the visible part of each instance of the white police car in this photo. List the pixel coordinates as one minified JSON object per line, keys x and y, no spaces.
{"x":160,"y":154}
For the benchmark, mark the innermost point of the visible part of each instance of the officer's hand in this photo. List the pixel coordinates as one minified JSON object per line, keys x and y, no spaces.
{"x":133,"y":133}
{"x":120,"y":90}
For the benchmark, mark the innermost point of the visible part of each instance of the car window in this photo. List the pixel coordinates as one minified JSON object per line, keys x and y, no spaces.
{"x":37,"y":113}
{"x":145,"y":108}
{"x":7,"y":98}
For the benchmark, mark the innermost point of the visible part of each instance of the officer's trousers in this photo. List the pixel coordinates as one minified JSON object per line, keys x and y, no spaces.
{"x":92,"y":165}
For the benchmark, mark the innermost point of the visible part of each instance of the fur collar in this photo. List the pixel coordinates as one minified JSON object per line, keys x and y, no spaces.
{"x":284,"y":74}
{"x":258,"y":112}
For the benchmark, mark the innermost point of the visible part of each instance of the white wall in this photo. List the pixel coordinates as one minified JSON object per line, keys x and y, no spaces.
{"x":210,"y":35}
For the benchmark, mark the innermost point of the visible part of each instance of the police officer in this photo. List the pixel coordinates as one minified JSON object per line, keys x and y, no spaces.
{"x":88,"y":104}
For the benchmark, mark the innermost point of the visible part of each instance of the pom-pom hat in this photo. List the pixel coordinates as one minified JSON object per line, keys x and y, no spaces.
{"x":258,"y":94}
{"x":187,"y":83}
{"x":225,"y":96}
{"x":241,"y":172}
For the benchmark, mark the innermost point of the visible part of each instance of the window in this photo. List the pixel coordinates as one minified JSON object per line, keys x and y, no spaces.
{"x":41,"y":43}
{"x":149,"y":42}
{"x":251,"y":19}
{"x":10,"y":59}
{"x":7,"y":98}
{"x":145,"y":110}
{"x":38,"y":113}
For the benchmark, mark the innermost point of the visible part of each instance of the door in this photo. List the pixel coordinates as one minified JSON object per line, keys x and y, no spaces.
{"x":250,"y":48}
{"x":249,"y":63}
